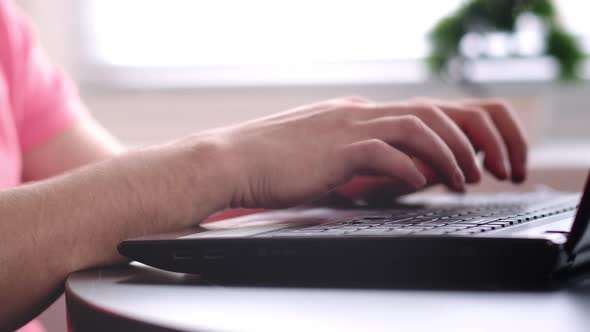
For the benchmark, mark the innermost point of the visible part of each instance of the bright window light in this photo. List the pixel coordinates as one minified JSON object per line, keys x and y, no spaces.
{"x":232,"y":32}
{"x":269,"y":41}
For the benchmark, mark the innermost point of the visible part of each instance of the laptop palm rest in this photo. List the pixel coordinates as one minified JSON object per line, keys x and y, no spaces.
{"x":551,"y":226}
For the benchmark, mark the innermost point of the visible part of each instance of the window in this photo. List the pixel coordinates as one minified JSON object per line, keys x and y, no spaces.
{"x":265,"y":41}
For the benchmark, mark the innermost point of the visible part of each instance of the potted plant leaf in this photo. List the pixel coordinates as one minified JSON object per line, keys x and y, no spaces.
{"x":450,"y":60}
{"x":483,"y":17}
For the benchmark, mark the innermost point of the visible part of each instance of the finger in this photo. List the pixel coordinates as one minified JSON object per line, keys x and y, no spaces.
{"x":513,"y":135}
{"x":378,"y":156}
{"x":385,"y":195}
{"x":351,"y":100}
{"x":365,"y":186}
{"x":483,"y":133}
{"x":319,"y":107}
{"x":447,"y":129}
{"x":358,"y":99}
{"x":374,"y":190}
{"x":431,"y":177}
{"x":334,"y":198}
{"x":413,"y":136}
{"x":361,"y":186}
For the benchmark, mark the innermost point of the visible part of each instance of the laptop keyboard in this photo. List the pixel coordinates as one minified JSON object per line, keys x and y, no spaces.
{"x":460,"y":220}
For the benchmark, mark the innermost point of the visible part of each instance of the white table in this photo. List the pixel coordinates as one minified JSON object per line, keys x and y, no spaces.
{"x":139,"y":298}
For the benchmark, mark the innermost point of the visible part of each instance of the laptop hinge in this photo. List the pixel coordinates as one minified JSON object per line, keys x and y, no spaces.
{"x":579,"y":238}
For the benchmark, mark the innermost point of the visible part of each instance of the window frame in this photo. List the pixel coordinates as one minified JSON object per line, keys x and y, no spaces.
{"x":414,"y":71}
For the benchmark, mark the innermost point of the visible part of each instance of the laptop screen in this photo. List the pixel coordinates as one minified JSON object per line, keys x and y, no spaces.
{"x":579,"y":238}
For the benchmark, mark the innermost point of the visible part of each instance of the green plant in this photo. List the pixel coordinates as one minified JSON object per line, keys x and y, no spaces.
{"x":500,"y":16}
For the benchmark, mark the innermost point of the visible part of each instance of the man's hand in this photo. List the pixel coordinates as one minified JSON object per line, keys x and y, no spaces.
{"x":502,"y":142}
{"x":297,"y":156}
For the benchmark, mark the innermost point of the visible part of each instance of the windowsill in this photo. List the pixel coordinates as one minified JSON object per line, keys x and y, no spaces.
{"x":561,"y":166}
{"x":561,"y":154}
{"x":394,"y":72}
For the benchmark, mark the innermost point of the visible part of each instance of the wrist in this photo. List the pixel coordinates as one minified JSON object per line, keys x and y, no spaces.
{"x":208,"y":174}
{"x":178,"y":184}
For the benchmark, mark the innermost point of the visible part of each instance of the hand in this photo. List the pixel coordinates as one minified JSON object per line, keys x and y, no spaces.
{"x":501,"y":140}
{"x":297,"y":156}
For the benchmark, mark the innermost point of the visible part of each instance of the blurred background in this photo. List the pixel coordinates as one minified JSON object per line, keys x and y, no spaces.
{"x":153,"y":70}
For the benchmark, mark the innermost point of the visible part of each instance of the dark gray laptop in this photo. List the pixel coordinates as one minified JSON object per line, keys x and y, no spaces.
{"x":520,"y":237}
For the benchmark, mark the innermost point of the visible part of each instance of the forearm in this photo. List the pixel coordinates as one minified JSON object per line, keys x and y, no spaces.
{"x":52,"y":228}
{"x":85,"y":142}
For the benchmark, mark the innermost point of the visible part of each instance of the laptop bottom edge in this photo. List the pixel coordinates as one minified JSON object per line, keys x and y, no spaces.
{"x":409,"y":262}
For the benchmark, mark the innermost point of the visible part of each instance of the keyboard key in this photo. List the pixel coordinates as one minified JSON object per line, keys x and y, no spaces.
{"x":514,"y":219}
{"x":464,"y":232}
{"x":453,"y":227}
{"x":499,"y":224}
{"x":503,"y":222}
{"x":401,"y":231}
{"x":451,"y":218}
{"x":372,"y":231}
{"x":388,"y":226}
{"x":399,"y":222}
{"x":311,"y":229}
{"x":351,"y":228}
{"x":367,"y":221}
{"x":396,"y":224}
{"x":418,"y":227}
{"x":340,"y":230}
{"x":435,"y":231}
{"x":484,"y":228}
{"x":375,"y":217}
{"x":288,"y":234}
{"x":436,"y":223}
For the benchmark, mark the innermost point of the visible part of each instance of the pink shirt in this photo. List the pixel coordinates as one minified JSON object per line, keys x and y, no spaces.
{"x":37,"y":101}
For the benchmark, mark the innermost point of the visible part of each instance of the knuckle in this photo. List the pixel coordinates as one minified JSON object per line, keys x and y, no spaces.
{"x":374,"y":145}
{"x":345,"y":124}
{"x":339,"y":104}
{"x":499,"y":103}
{"x":430,"y":113}
{"x":357,"y":99}
{"x":364,"y":106}
{"x":475,"y":114}
{"x":344,"y":116}
{"x":499,"y":106}
{"x":368,"y":150}
{"x":341,"y":99}
{"x":353,"y":111}
{"x":410,"y":123}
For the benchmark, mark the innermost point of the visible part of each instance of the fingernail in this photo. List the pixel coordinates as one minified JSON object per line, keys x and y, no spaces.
{"x":459,"y":181}
{"x":518,"y":177}
{"x":506,"y":170}
{"x":474,"y":175}
{"x":502,"y":173}
{"x":419,"y":182}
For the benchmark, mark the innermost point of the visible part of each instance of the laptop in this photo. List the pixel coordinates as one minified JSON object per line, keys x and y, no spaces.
{"x":499,"y":237}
